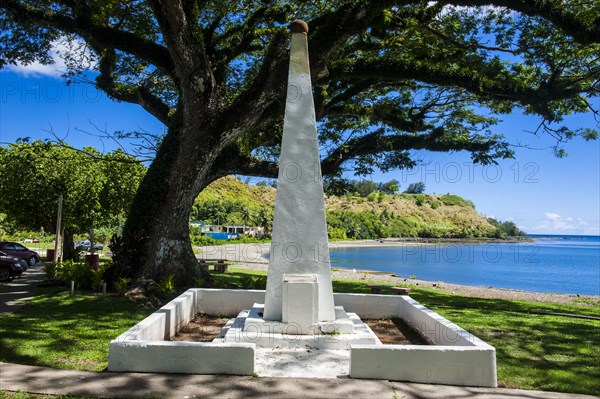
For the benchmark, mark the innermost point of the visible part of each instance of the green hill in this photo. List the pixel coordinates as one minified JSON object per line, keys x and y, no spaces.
{"x":230,"y":201}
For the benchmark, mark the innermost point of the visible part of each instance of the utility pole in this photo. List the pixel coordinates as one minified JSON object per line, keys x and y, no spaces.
{"x":57,"y":237}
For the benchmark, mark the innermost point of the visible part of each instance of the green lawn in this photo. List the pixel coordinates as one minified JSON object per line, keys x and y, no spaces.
{"x":534,"y":351}
{"x":57,"y":330}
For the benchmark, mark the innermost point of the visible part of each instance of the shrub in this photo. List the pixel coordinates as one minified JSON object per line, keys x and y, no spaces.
{"x":204,"y":241}
{"x":51,"y":270}
{"x":253,"y":282}
{"x":97,"y":279}
{"x":80,"y":272}
{"x":167,"y":284}
{"x":121,"y":285}
{"x":451,"y":200}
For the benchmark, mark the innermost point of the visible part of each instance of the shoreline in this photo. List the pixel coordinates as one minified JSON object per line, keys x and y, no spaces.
{"x":253,"y":257}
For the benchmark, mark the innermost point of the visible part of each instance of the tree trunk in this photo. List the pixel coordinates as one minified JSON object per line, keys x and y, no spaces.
{"x":68,"y":245}
{"x":156,"y":240}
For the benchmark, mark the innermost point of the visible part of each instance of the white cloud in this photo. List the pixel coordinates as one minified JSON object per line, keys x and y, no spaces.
{"x":58,"y":53}
{"x":553,"y":216}
{"x":36,"y":69}
{"x":554,"y":223}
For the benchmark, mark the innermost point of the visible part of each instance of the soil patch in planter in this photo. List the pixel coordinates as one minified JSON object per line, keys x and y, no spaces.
{"x":202,"y":328}
{"x":396,"y":332}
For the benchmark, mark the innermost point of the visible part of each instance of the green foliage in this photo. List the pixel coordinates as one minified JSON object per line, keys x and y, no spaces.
{"x":97,"y":279}
{"x":94,"y":192}
{"x":167,"y":285}
{"x":350,"y":219}
{"x":336,"y":233}
{"x":415,"y":188}
{"x":419,"y":199}
{"x":80,"y":272}
{"x":506,"y":229}
{"x":121,"y":285}
{"x":51,"y":270}
{"x":452,"y":200}
{"x":253,"y":282}
{"x":201,"y":240}
{"x":391,"y":187}
{"x":364,"y":187}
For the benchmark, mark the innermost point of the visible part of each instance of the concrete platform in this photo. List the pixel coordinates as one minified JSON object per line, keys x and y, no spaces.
{"x":249,"y":327}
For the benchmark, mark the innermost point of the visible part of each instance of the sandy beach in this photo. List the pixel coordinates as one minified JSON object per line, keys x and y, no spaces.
{"x":254,"y":257}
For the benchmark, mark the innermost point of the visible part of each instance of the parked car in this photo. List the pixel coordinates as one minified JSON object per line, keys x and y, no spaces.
{"x":9,"y":268}
{"x":84,"y":245}
{"x":22,"y":263}
{"x":19,"y":251}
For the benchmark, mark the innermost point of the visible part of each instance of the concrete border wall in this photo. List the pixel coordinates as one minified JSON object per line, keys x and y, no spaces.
{"x":370,"y":306}
{"x":144,"y":347}
{"x":226,"y":302}
{"x":182,"y":357}
{"x":451,"y":365}
{"x":456,"y":356}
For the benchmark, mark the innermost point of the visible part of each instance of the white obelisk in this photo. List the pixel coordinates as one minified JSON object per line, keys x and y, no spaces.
{"x":299,"y":241}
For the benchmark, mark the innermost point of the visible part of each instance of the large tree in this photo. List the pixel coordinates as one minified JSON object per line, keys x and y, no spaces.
{"x":389,"y":76}
{"x":96,"y":187}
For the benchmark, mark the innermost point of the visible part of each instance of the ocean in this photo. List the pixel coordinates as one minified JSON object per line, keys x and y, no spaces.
{"x":556,"y":264}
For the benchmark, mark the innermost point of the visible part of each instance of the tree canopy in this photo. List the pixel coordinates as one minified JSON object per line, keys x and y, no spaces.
{"x":95,"y":187}
{"x":388,"y":77}
{"x":415,"y":188}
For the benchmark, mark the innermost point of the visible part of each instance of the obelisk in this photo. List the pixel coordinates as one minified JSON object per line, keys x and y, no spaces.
{"x":299,"y":240}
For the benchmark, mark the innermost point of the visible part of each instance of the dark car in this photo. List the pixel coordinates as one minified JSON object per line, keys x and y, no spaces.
{"x":9,"y":268}
{"x":85,"y":245}
{"x":22,"y":263}
{"x":21,"y":252}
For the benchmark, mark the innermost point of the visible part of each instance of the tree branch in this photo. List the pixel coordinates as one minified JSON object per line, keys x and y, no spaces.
{"x":131,"y":94}
{"x":178,"y":21}
{"x":548,"y":9}
{"x":375,"y":142}
{"x":231,"y":161}
{"x":488,"y":85}
{"x":104,"y":35}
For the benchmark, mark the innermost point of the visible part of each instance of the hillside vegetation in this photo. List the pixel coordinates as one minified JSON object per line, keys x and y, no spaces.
{"x":379,"y":215}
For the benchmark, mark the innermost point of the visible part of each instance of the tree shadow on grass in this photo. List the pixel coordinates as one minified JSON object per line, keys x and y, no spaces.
{"x":76,"y":329}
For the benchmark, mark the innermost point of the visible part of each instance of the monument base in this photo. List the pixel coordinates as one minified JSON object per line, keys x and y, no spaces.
{"x":250,"y":327}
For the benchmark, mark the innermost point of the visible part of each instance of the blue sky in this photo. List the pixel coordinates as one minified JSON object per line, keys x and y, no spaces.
{"x":539,"y":192}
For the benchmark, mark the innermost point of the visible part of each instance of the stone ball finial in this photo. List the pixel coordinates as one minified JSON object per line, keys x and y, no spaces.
{"x":299,"y":26}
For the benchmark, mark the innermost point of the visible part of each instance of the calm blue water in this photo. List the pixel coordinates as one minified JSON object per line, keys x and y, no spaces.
{"x":564,"y":264}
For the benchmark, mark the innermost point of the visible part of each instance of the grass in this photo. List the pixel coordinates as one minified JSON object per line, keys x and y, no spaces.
{"x":57,"y":330}
{"x":533,"y":351}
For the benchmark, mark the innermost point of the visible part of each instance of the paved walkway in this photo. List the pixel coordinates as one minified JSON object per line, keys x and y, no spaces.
{"x":14,"y":377}
{"x":14,"y":294}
